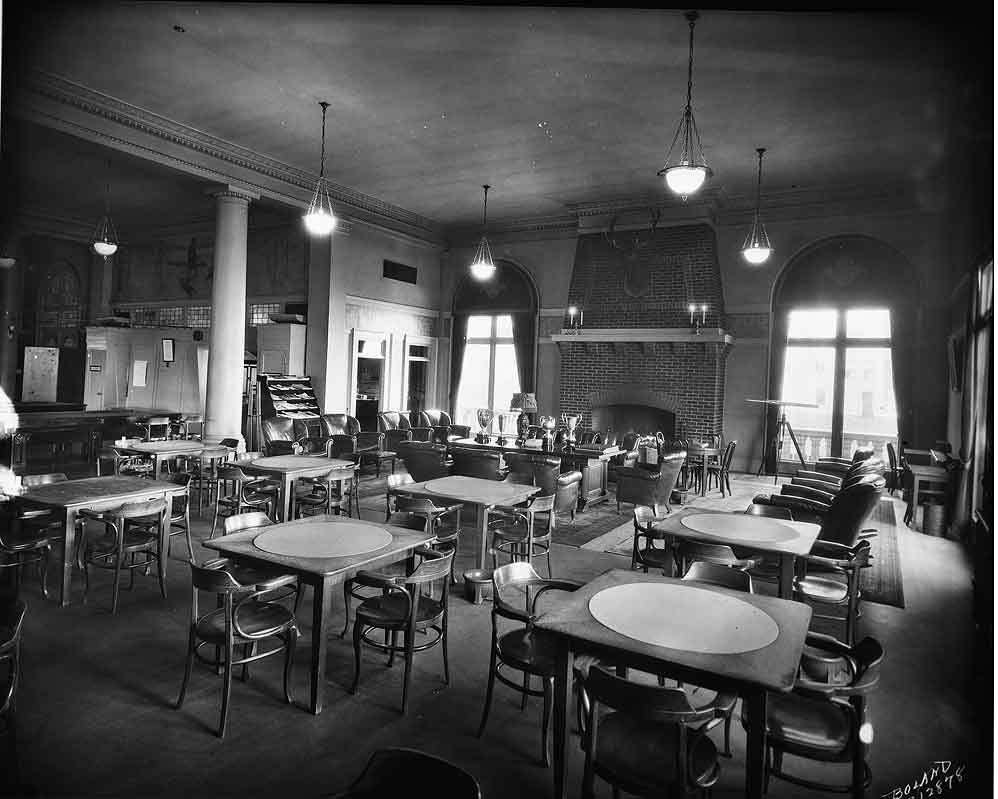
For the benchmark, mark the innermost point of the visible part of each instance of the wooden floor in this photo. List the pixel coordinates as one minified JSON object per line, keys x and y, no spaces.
{"x":95,"y":716}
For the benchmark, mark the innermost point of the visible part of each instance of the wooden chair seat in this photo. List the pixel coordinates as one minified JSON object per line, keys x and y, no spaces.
{"x":255,"y":618}
{"x":389,"y":612}
{"x":524,"y":650}
{"x":135,"y":540}
{"x":655,"y":557}
{"x":815,"y":724}
{"x":822,"y":589}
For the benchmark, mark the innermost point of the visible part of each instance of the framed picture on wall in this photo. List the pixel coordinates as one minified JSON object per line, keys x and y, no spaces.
{"x":168,"y":350}
{"x":956,"y":345}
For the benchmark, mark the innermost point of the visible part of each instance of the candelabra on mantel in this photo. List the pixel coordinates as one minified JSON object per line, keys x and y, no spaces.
{"x":698,"y":316}
{"x":573,"y":320}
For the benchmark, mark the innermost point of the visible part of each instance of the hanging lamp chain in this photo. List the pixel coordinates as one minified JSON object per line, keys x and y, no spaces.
{"x":758,"y":183}
{"x":692,"y":16}
{"x":322,"y":156}
{"x":107,"y":189}
{"x":485,"y":206}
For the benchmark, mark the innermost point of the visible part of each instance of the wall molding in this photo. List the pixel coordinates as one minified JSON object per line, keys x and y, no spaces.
{"x":627,"y":335}
{"x":388,"y":305}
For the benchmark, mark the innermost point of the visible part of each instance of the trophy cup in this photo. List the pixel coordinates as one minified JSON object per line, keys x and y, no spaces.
{"x":501,"y":419}
{"x":485,"y":416}
{"x":548,"y":425}
{"x":571,"y":421}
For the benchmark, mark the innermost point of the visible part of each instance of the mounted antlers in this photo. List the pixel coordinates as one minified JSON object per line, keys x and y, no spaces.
{"x":635,"y":244}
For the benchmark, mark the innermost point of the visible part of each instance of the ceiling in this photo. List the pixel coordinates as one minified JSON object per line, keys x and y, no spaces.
{"x":552,"y":106}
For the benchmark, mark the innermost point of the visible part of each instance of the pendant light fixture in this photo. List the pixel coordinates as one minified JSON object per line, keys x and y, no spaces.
{"x":482,"y":266}
{"x":105,"y":237}
{"x":319,"y":219}
{"x":756,"y":249}
{"x":685,"y":174}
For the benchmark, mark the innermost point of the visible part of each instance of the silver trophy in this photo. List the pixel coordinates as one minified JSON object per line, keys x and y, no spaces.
{"x":548,"y":425}
{"x":571,"y":421}
{"x":485,"y":416}
{"x":501,"y":419}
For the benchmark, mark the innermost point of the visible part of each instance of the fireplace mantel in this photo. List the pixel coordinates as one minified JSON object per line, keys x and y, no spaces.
{"x":644,"y":335}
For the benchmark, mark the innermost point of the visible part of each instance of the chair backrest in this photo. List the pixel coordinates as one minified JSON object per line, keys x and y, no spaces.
{"x":476,"y":463}
{"x":644,"y":521}
{"x":729,"y":453}
{"x":135,"y":510}
{"x":278,"y":428}
{"x":587,"y":437}
{"x":433,"y":417}
{"x":721,"y":554}
{"x":855,"y":670}
{"x":245,"y":521}
{"x":228,"y":471}
{"x":715,"y":574}
{"x":892,"y":457}
{"x":850,"y":508}
{"x":772,"y":511}
{"x":31,"y":480}
{"x":521,"y":468}
{"x":641,"y":700}
{"x":394,"y":771}
{"x":547,"y":470}
{"x":408,"y":520}
{"x":424,"y":460}
{"x":339,"y":424}
{"x":180,"y":479}
{"x":435,"y":566}
{"x":11,"y":621}
{"x":392,"y":420}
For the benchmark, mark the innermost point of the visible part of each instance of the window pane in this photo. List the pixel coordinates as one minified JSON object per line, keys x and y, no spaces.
{"x":817,"y":323}
{"x":507,"y":378}
{"x":479,"y":326}
{"x":504,"y":326}
{"x":808,"y":376}
{"x":869,"y":416}
{"x":474,"y":391}
{"x":868,"y":323}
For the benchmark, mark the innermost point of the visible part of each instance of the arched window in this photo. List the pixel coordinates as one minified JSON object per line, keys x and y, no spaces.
{"x":843,"y":334}
{"x":494,"y":341}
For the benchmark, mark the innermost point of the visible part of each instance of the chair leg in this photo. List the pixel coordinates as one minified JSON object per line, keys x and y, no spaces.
{"x":546,"y":720}
{"x":443,"y":644}
{"x":526,"y":687}
{"x":727,"y":733}
{"x":226,"y":689}
{"x":409,"y":637}
{"x":187,"y":670}
{"x":45,"y":571}
{"x":187,"y":532}
{"x":346,"y":607}
{"x":357,"y":632}
{"x":288,"y":661}
{"x":488,"y":690}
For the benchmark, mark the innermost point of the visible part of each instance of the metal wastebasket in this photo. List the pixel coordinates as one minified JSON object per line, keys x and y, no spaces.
{"x":476,"y":585}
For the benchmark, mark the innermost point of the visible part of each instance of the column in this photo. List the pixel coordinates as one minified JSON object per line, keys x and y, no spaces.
{"x":10,"y":322}
{"x":223,"y":403}
{"x":325,"y":335}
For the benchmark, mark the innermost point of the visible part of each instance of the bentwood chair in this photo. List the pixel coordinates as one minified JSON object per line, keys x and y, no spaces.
{"x":832,"y":578}
{"x":244,"y":619}
{"x":516,"y":531}
{"x":246,"y":573}
{"x":395,"y":770}
{"x":11,"y":622}
{"x":180,"y":512}
{"x":446,"y":540}
{"x":652,"y":742}
{"x":27,"y":537}
{"x":249,"y":493}
{"x":407,"y":605}
{"x":128,"y":530}
{"x":824,"y":717}
{"x":328,"y":493}
{"x":719,"y":470}
{"x":644,"y":552}
{"x":519,"y":649}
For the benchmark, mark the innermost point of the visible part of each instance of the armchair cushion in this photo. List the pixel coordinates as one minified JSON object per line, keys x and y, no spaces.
{"x":424,"y":460}
{"x":652,"y":487}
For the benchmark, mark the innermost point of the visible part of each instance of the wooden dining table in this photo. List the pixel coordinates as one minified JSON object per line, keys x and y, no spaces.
{"x":323,"y":552}
{"x":476,"y":491}
{"x":786,"y":539}
{"x":160,"y":451}
{"x":288,"y":468}
{"x":96,"y":493}
{"x":704,"y":453}
{"x":698,"y":633}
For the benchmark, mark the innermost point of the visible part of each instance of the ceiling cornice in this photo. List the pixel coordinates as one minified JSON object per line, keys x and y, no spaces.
{"x":64,"y":93}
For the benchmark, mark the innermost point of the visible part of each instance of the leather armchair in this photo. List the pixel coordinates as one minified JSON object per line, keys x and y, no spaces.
{"x":858,"y":495}
{"x":628,"y":455}
{"x":344,"y":436}
{"x":840,"y":466}
{"x":545,"y":471}
{"x":652,"y":487}
{"x":424,"y":460}
{"x":395,"y":427}
{"x":282,"y":436}
{"x":477,"y":463}
{"x":443,"y":431}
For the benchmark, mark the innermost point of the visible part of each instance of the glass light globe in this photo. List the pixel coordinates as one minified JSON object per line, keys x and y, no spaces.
{"x":105,"y":248}
{"x":866,"y":732}
{"x":482,"y":270}
{"x":319,"y":223}
{"x":685,"y":179}
{"x":757,"y":255}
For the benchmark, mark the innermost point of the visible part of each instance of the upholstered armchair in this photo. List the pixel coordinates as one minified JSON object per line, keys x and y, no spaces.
{"x":477,"y":463}
{"x":628,"y":455}
{"x":839,"y":466}
{"x":545,"y":471}
{"x":395,"y":428}
{"x":282,"y":436}
{"x":443,"y":430}
{"x":344,"y":436}
{"x":424,"y":460}
{"x":813,"y":505}
{"x":652,"y":487}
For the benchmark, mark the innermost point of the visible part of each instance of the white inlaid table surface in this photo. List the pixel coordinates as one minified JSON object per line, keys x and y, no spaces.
{"x":788,"y":540}
{"x":472,"y":491}
{"x":288,"y":468}
{"x":322,"y":551}
{"x":685,"y":639}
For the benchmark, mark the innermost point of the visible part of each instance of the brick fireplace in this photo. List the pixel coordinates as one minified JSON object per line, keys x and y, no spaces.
{"x":637,"y":362}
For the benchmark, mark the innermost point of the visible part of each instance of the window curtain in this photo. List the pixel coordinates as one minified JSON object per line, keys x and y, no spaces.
{"x":904,"y":334}
{"x":458,"y":342}
{"x":778,"y":345}
{"x":524,"y":343}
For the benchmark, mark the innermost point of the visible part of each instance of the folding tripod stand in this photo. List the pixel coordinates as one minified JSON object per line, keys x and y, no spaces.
{"x":782,"y":426}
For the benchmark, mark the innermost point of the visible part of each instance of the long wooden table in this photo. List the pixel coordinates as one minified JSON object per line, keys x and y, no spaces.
{"x":591,"y":461}
{"x":96,"y":493}
{"x":288,"y":468}
{"x":772,"y":667}
{"x":483,"y":494}
{"x":321,"y":573}
{"x":757,"y":533}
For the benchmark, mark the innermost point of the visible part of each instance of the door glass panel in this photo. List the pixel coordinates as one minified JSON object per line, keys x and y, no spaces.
{"x":869,"y":416}
{"x":868,"y":323}
{"x":811,"y":323}
{"x":507,"y":380}
{"x":474,"y":391}
{"x":479,"y":326}
{"x":809,"y":376}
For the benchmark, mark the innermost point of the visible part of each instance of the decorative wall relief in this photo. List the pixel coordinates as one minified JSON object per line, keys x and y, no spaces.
{"x":631,"y":256}
{"x":195,"y":271}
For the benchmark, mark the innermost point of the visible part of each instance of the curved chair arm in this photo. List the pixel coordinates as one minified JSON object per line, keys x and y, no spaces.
{"x":369,"y":439}
{"x":819,"y":485}
{"x":371,"y":579}
{"x":806,"y":492}
{"x":830,"y":549}
{"x":422,"y":433}
{"x":824,"y":477}
{"x":554,"y":585}
{"x":339,"y":444}
{"x":799,"y":504}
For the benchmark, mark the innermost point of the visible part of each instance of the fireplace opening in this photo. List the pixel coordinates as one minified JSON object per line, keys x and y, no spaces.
{"x":623,"y":418}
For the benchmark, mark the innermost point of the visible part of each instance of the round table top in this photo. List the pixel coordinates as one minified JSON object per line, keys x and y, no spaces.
{"x":322,"y":539}
{"x":683,"y":617}
{"x":750,"y":529}
{"x":181,"y":445}
{"x":292,"y":462}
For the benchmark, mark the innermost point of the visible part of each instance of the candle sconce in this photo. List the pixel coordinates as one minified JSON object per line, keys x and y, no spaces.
{"x":572,"y":324}
{"x":698,"y":316}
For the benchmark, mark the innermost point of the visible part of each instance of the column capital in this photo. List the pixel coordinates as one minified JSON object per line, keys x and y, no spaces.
{"x":236,"y":192}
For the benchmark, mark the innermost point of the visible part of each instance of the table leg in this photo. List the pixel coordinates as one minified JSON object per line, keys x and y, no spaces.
{"x":164,"y":542}
{"x":287,"y":499}
{"x":755,"y":745}
{"x":786,"y":585}
{"x":703,"y":477}
{"x":322,"y":606}
{"x":68,"y":553}
{"x":483,"y":534}
{"x":915,"y":525}
{"x":564,"y":662}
